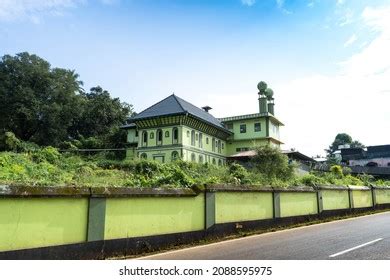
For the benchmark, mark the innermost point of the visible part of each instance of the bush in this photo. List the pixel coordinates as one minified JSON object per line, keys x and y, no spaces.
{"x":272,"y":163}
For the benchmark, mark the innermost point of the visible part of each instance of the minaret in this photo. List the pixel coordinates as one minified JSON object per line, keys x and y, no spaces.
{"x":269,"y":93}
{"x":262,"y":86}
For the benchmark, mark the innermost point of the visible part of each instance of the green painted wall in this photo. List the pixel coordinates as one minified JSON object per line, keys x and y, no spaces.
{"x":296,"y":204}
{"x":335,"y":199}
{"x":144,"y":216}
{"x":131,"y":138}
{"x":38,"y":222}
{"x":361,"y":199}
{"x":250,"y":131}
{"x":243,"y":206}
{"x":382,"y":196}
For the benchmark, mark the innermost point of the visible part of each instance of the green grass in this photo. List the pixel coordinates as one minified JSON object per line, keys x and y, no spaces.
{"x":47,"y":167}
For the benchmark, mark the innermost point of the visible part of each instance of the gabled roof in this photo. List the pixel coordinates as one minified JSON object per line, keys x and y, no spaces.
{"x":174,"y":105}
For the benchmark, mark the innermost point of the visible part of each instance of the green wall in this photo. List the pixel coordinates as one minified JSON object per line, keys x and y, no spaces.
{"x":382,"y":196}
{"x":144,"y":216}
{"x":38,"y":222}
{"x":335,"y":199}
{"x":243,"y":206}
{"x":299,"y":203}
{"x":361,"y":198}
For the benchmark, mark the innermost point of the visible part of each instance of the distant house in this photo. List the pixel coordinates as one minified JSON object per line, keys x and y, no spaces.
{"x":174,"y":128}
{"x":372,"y":156}
{"x":305,"y":163}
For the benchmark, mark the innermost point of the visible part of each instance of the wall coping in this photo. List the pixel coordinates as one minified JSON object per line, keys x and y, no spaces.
{"x":29,"y":191}
{"x":70,"y":191}
{"x":359,"y":188}
{"x":143,"y":192}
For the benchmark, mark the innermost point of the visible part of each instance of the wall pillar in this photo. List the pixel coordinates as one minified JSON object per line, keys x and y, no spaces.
{"x":276,"y":204}
{"x":350,"y":195}
{"x":209,"y":209}
{"x":320,"y":205}
{"x":96,"y":218}
{"x":373,"y":195}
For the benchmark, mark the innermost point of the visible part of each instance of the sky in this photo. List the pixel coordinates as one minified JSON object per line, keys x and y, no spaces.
{"x":328,"y":61}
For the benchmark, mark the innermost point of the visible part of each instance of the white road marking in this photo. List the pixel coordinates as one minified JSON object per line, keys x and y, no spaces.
{"x":354,"y":248}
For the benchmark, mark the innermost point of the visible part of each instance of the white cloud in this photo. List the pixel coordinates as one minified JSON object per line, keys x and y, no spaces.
{"x":11,"y":10}
{"x":346,"y":18}
{"x":281,"y":6}
{"x":354,"y":100}
{"x":350,"y":41}
{"x":248,"y":2}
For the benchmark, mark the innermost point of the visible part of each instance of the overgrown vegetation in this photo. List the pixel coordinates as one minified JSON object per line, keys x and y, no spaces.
{"x":46,"y":166}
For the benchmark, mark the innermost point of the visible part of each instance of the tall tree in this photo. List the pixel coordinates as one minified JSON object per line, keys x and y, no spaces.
{"x":342,"y":139}
{"x":37,"y":103}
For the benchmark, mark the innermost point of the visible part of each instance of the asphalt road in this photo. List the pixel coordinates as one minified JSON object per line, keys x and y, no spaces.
{"x":362,"y":238}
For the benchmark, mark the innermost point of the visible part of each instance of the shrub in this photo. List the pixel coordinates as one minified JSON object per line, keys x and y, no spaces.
{"x":337,"y":171}
{"x":272,"y":163}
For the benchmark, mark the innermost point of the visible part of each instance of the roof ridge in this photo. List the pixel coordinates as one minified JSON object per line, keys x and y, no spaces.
{"x":178,"y":102}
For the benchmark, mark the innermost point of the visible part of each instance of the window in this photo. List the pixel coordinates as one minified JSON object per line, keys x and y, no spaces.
{"x":159,"y":137}
{"x":175,"y":133}
{"x":207,"y":140}
{"x":200,"y":140}
{"x":219,"y":162}
{"x":257,"y":127}
{"x":213,"y":144}
{"x":229,"y":126}
{"x":219,"y":146}
{"x":193,"y":158}
{"x":196,"y":137}
{"x":242,"y":128}
{"x":136,"y":133}
{"x":175,"y":155}
{"x":166,"y":134}
{"x":223,"y":146}
{"x":200,"y":159}
{"x":144,"y":156}
{"x":242,"y":149}
{"x":151,"y":135}
{"x":144,"y":138}
{"x":214,"y":161}
{"x":193,"y":137}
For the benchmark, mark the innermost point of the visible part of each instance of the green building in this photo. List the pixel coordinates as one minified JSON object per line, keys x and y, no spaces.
{"x":174,"y":128}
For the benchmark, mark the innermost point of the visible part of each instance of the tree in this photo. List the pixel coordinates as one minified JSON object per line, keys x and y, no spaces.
{"x":48,"y":106}
{"x":37,"y":103}
{"x":272,"y":163}
{"x":342,"y":139}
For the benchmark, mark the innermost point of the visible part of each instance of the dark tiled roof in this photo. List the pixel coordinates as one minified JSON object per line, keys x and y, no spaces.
{"x":174,"y":105}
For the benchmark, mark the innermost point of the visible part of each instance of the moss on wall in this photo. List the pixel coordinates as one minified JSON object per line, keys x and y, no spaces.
{"x":361,"y":199}
{"x":382,"y":196}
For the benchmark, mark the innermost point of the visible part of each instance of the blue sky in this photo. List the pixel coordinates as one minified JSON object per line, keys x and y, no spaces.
{"x":326,"y":60}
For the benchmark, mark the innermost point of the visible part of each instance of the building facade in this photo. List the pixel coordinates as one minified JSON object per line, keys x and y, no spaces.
{"x":175,"y":129}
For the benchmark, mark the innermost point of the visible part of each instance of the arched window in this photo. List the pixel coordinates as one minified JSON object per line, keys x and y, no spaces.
{"x":193,"y":158}
{"x":200,"y":140}
{"x":220,"y":162}
{"x":214,"y":161}
{"x":219,"y":146}
{"x":166,"y":134}
{"x":175,"y":133}
{"x":193,"y":137}
{"x":200,"y":159}
{"x":175,"y":155}
{"x":144,"y":156}
{"x":144,"y":138}
{"x":213,"y":144}
{"x":159,"y":137}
